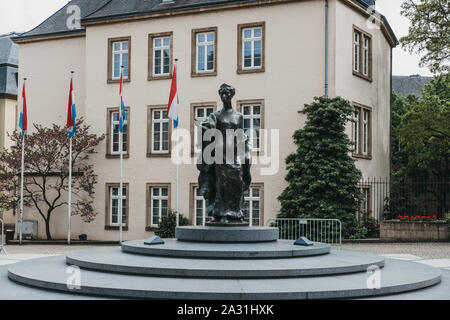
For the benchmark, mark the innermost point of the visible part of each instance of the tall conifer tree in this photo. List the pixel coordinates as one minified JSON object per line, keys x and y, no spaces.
{"x":322,"y":176}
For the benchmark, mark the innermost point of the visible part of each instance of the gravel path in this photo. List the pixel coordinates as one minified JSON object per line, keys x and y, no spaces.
{"x":422,"y":250}
{"x":428,"y":250}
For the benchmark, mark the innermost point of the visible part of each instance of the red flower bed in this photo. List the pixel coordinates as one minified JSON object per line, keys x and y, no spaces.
{"x":420,"y":218}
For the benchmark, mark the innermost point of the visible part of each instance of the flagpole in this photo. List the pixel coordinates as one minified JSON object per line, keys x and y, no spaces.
{"x":21,"y":177}
{"x":121,"y":165}
{"x":177,"y":166}
{"x":69,"y":207}
{"x":21,"y":188}
{"x":69,"y":214}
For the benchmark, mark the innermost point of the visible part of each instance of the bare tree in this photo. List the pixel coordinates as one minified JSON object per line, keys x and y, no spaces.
{"x":46,"y":172}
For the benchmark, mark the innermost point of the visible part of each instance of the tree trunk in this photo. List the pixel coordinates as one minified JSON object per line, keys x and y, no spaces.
{"x":47,"y":227}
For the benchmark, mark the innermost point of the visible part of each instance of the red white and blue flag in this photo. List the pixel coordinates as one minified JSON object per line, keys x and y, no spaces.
{"x":23,"y":114}
{"x":123,"y":114}
{"x":71,"y":112}
{"x":172,"y":109}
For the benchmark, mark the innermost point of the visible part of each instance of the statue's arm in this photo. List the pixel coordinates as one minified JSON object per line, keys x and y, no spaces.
{"x":206,"y":179}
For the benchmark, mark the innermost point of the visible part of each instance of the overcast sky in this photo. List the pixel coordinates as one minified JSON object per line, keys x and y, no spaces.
{"x":23,"y":15}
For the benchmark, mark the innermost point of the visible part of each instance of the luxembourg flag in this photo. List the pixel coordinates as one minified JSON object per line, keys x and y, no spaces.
{"x":71,"y":112}
{"x":172,"y":110}
{"x":123,"y":114}
{"x":23,"y":114}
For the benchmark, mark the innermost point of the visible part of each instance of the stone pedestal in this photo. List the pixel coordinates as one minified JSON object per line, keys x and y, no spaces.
{"x":223,"y":263}
{"x":235,"y":234}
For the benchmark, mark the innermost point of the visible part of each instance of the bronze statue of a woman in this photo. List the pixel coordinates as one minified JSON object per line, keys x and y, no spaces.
{"x":223,"y":180}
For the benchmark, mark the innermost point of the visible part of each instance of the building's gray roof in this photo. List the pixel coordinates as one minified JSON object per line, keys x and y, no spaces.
{"x":57,"y":23}
{"x":9,"y":51}
{"x":125,"y":8}
{"x":9,"y":61}
{"x":406,"y":85}
{"x":93,"y":10}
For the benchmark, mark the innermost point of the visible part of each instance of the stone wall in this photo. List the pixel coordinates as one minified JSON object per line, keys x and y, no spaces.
{"x":414,"y":231}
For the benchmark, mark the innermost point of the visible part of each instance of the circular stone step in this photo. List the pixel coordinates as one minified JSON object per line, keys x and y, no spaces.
{"x":51,"y":273}
{"x":226,"y":234}
{"x":258,"y":250}
{"x":114,"y":260}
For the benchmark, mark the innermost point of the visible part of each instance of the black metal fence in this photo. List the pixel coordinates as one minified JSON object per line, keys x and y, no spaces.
{"x":384,"y":199}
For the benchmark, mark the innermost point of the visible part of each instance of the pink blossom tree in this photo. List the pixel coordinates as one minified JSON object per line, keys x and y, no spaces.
{"x":47,"y":172}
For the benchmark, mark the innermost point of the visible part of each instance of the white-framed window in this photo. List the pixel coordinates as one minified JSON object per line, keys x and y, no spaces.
{"x":252,"y":48}
{"x":365,"y":132}
{"x":200,"y":114}
{"x":159,"y":204}
{"x":356,"y":130}
{"x":115,"y":134}
{"x":161,"y":56}
{"x":252,"y":124}
{"x":362,"y":131}
{"x":160,"y":131}
{"x":200,"y":204}
{"x":114,"y":206}
{"x":362,"y":52}
{"x":120,"y":52}
{"x":252,"y":206}
{"x":366,"y":55}
{"x":356,"y":50}
{"x":205,"y":52}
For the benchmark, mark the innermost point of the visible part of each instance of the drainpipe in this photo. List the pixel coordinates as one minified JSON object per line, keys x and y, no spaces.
{"x":326,"y":48}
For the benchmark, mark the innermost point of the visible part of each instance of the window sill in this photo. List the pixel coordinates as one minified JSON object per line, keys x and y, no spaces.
{"x":158,"y":155}
{"x":125,"y":228}
{"x":203,"y":74}
{"x":118,"y":80}
{"x":360,"y":75}
{"x":245,"y":71}
{"x":165,"y":77}
{"x":151,"y":229}
{"x":361,"y":156}
{"x":116,"y":156}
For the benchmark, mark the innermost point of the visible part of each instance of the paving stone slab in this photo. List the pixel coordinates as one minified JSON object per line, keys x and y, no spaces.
{"x":437,"y":263}
{"x":114,"y":260}
{"x":402,"y":256}
{"x":259,"y":250}
{"x":397,"y":276}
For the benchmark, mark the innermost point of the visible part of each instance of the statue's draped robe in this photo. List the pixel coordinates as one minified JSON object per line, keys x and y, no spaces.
{"x":223,"y":184}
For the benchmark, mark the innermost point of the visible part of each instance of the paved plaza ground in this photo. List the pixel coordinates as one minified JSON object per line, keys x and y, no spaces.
{"x":433,"y":254}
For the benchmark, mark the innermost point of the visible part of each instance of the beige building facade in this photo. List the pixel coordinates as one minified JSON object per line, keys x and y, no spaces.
{"x":8,"y":98}
{"x":272,"y":52}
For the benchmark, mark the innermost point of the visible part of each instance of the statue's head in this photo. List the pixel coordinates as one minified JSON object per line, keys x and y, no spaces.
{"x":226,"y":92}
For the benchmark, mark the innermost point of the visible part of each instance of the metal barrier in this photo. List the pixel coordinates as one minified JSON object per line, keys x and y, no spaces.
{"x":2,"y":245}
{"x":317,"y":230}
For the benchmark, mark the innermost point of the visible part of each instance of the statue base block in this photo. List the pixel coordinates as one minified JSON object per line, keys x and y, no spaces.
{"x":227,"y":224}
{"x":234,"y":234}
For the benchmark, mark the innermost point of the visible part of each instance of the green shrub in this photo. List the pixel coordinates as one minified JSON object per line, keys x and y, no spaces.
{"x":359,"y":232}
{"x":166,"y":228}
{"x":372,"y":226}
